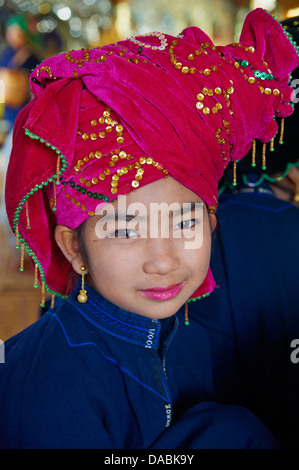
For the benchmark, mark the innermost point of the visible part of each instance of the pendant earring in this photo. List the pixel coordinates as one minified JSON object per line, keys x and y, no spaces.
{"x":186,"y":314}
{"x":82,"y":297}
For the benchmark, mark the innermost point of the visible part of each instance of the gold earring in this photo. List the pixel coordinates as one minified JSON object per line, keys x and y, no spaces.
{"x":186,"y":314}
{"x":82,"y":297}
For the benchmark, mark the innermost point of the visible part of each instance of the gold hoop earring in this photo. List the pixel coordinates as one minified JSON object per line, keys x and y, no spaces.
{"x":82,"y":297}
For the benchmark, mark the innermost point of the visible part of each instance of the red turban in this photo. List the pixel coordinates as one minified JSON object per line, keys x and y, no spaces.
{"x":108,"y":120}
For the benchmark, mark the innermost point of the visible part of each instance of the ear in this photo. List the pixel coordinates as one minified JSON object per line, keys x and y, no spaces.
{"x":68,"y":242}
{"x":213,"y":221}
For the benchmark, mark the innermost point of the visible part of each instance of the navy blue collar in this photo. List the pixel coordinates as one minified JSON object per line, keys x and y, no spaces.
{"x":106,"y":316}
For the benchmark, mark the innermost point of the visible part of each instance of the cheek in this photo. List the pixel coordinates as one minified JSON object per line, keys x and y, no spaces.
{"x":110,"y":267}
{"x":198,"y":258}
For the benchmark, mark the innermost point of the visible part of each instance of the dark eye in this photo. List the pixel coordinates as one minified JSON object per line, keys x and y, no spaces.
{"x":125,"y":233}
{"x":185,"y":224}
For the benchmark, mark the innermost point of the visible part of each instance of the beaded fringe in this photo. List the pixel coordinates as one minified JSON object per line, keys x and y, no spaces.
{"x":264,"y":153}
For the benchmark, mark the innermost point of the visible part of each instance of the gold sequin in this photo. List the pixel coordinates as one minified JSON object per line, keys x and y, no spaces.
{"x":200,"y":97}
{"x":218,"y":90}
{"x":206,"y":110}
{"x":276,"y":92}
{"x":98,"y":154}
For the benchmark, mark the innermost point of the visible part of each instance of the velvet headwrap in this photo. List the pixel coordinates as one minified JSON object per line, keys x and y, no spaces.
{"x":106,"y":121}
{"x":282,"y":152}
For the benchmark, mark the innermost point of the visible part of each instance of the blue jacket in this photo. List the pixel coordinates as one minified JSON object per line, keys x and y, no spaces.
{"x":93,"y":376}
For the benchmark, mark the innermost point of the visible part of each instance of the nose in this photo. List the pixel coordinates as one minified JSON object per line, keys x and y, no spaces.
{"x":161,"y":256}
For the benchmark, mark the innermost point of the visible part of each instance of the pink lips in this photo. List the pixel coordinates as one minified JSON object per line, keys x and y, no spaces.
{"x":163,"y":293}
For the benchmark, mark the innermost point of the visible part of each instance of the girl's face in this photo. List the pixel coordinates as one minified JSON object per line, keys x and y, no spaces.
{"x":144,"y":269}
{"x":148,"y":273}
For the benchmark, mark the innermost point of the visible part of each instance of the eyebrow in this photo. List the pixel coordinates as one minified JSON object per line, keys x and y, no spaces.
{"x":123,"y":216}
{"x":183,"y":210}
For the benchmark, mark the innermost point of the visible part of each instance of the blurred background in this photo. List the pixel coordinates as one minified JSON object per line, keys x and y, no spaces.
{"x":32,"y":30}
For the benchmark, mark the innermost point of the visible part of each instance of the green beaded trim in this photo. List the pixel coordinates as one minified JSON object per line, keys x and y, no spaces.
{"x":269,"y":178}
{"x":27,"y":196}
{"x":256,"y":73}
{"x":83,"y":190}
{"x":262,"y":178}
{"x":198,"y":298}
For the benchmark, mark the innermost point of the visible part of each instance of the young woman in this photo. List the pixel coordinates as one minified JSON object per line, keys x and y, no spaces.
{"x":113,"y":177}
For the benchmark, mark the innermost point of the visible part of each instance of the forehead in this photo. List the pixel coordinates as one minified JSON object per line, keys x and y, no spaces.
{"x":165,"y":196}
{"x":165,"y":190}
